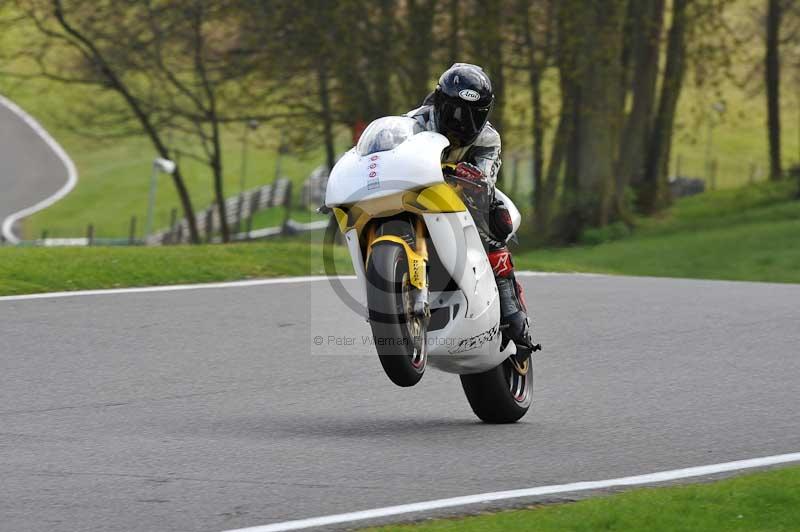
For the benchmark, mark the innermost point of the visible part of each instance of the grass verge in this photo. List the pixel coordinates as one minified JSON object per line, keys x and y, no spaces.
{"x":760,"y":501}
{"x":748,"y":234}
{"x":33,"y":270}
{"x":745,"y":234}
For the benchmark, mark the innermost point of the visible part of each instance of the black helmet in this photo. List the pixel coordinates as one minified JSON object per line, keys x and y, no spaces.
{"x":461,"y":103}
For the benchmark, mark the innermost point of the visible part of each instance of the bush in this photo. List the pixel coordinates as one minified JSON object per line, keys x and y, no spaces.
{"x":615,"y":231}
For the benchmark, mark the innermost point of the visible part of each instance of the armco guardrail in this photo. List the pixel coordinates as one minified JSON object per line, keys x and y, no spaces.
{"x":239,"y":218}
{"x":239,"y":212}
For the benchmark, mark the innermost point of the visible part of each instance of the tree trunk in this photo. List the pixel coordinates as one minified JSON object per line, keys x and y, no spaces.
{"x":592,"y":98}
{"x":557,"y":154}
{"x":219,"y":191}
{"x":454,"y":36}
{"x":489,"y":48}
{"x":537,"y":126}
{"x":421,"y":18}
{"x":645,"y":24}
{"x":327,"y":118}
{"x":486,"y":27}
{"x":186,"y":203}
{"x":653,"y":192}
{"x":382,"y":61}
{"x":772,"y":75}
{"x":537,"y":130}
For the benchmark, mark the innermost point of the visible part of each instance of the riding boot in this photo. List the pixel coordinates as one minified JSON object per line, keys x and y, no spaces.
{"x":514,"y":320}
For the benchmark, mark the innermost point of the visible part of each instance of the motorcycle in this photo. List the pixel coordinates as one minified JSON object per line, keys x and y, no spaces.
{"x":427,"y":286}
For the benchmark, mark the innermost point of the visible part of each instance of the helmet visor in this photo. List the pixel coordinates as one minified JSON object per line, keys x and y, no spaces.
{"x":461,"y":121}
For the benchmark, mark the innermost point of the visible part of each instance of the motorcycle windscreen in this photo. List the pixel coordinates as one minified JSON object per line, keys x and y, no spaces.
{"x":386,"y":134}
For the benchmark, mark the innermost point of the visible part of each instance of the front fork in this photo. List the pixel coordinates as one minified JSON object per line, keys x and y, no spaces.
{"x":417,"y":258}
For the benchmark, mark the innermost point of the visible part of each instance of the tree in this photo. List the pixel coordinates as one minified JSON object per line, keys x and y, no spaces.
{"x":536,"y":46}
{"x":590,"y":67}
{"x":487,"y":39}
{"x":96,"y":58}
{"x":177,"y":72}
{"x":653,"y":192}
{"x":772,"y":83}
{"x":644,"y":26}
{"x":418,"y":35}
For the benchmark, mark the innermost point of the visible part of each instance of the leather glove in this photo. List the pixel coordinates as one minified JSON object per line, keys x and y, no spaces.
{"x":474,"y":184}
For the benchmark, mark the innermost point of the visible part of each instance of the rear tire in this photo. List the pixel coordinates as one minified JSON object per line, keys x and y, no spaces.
{"x":501,"y":394}
{"x":402,"y":353}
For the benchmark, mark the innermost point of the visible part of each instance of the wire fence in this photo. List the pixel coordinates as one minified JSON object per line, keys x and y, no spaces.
{"x":239,"y":212}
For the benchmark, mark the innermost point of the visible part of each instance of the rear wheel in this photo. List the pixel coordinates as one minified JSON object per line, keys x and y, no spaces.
{"x":399,"y":334}
{"x":502,"y":394}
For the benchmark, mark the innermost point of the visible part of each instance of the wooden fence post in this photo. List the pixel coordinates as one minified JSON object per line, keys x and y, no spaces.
{"x":209,"y":223}
{"x":90,"y":235}
{"x":239,"y":212}
{"x":287,"y":206}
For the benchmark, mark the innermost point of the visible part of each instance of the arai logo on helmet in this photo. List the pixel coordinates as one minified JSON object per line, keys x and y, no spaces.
{"x":469,"y":95}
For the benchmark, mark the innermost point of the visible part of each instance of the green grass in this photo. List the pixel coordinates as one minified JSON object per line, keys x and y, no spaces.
{"x":760,"y":501}
{"x":747,"y":234}
{"x":31,"y":270}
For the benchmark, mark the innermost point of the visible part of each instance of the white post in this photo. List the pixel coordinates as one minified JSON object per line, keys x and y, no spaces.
{"x":163,"y":165}
{"x":151,"y":202}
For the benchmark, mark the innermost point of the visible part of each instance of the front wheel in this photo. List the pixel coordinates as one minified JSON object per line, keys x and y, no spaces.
{"x":502,"y":394}
{"x":399,"y":335}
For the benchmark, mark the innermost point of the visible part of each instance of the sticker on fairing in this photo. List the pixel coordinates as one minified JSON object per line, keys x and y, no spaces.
{"x":373,"y":181}
{"x":474,"y":342}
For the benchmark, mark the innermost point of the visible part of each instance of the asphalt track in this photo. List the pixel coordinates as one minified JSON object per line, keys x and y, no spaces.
{"x":31,"y":170}
{"x":213,"y":409}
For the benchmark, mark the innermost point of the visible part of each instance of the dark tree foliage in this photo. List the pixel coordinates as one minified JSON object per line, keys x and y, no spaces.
{"x":590,"y":89}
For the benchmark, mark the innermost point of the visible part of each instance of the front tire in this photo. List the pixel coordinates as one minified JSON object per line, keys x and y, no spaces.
{"x":502,"y":394}
{"x":399,"y":336}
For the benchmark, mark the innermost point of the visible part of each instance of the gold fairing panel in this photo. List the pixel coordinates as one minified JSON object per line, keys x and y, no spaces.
{"x":441,"y":197}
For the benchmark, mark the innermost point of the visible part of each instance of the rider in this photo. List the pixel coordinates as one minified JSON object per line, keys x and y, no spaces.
{"x":459,"y":109}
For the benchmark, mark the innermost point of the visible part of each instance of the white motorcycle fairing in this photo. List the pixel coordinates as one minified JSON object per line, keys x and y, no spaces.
{"x":413,"y":164}
{"x":469,"y":340}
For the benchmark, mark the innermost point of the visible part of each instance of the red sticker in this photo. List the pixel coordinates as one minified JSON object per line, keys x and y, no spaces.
{"x":372,"y":166}
{"x":374,"y":158}
{"x":373,"y":174}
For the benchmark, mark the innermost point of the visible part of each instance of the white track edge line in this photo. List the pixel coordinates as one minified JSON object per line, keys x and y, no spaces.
{"x":72,"y":172}
{"x":651,"y":478}
{"x":199,"y":286}
{"x":171,"y":288}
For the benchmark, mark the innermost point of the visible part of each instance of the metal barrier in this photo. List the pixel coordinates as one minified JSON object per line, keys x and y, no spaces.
{"x":239,"y":211}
